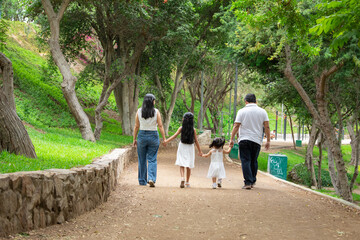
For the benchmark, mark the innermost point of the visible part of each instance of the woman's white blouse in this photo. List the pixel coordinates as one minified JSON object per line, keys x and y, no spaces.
{"x":149,"y":124}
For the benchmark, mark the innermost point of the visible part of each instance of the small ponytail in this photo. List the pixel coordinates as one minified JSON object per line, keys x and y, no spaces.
{"x":217,"y":143}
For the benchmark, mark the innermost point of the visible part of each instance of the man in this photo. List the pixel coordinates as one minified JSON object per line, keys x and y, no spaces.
{"x":250,"y":122}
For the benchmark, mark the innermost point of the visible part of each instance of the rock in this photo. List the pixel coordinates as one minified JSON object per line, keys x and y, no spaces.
{"x":205,"y":138}
{"x":28,"y":187}
{"x":5,"y":227}
{"x":4,"y":182}
{"x":8,"y":203}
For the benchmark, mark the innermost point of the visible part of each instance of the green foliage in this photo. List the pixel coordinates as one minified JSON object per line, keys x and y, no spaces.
{"x":12,"y":10}
{"x":305,"y":175}
{"x":38,"y":101}
{"x":3,"y":30}
{"x":341,"y":19}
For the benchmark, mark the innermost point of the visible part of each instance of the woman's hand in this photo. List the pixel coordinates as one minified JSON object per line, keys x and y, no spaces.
{"x":135,"y":143}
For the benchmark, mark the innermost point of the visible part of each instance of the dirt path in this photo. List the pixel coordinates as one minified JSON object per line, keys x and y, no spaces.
{"x":272,"y":210}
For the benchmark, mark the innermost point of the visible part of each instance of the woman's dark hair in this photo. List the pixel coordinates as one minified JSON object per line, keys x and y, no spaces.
{"x":147,"y":109}
{"x":217,"y":143}
{"x":187,"y":130}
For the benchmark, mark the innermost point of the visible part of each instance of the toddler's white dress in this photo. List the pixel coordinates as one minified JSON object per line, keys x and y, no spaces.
{"x":216,"y":168}
{"x":185,"y":155}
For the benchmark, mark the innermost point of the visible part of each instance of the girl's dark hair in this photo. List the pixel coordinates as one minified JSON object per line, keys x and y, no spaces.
{"x":217,"y":143}
{"x":147,"y":109}
{"x":187,"y":130}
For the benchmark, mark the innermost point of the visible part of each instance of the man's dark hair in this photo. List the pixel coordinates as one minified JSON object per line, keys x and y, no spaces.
{"x":250,"y":98}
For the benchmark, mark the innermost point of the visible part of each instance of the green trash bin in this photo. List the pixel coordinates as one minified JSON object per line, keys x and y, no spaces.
{"x":234,"y":153}
{"x":277,"y":165}
{"x":298,"y":143}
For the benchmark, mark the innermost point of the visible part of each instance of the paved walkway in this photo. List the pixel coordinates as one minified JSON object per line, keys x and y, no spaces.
{"x":272,"y":210}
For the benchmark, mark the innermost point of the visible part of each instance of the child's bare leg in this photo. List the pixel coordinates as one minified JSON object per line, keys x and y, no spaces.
{"x":182,"y":177}
{"x":214,"y":182}
{"x":182,"y":172}
{"x":188,"y":173}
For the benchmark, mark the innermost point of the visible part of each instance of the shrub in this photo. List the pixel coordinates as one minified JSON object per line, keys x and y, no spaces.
{"x":300,"y":174}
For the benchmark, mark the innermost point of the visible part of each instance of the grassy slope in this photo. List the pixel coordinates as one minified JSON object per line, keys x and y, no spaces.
{"x":40,"y":103}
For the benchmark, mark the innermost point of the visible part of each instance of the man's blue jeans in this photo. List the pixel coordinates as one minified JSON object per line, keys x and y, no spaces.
{"x":249,"y":152}
{"x":147,"y":148}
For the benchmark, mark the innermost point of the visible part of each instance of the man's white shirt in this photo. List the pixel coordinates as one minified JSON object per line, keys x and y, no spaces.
{"x":251,"y":119}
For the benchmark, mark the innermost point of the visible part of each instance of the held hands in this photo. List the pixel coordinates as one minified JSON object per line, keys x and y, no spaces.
{"x":164,"y":142}
{"x":231,"y":143}
{"x":200,"y":154}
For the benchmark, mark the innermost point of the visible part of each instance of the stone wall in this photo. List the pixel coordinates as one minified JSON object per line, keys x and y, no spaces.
{"x":30,"y":200}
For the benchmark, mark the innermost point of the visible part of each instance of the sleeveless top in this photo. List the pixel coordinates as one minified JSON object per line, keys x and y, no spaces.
{"x":217,"y":155}
{"x":149,"y":124}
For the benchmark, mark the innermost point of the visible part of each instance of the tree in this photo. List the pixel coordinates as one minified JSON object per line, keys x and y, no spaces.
{"x":13,"y":135}
{"x":199,"y":35}
{"x":286,"y":26}
{"x":69,"y":80}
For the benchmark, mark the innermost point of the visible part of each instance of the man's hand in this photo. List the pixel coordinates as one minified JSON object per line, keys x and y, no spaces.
{"x":267,"y":145}
{"x":135,"y":143}
{"x":231,"y":143}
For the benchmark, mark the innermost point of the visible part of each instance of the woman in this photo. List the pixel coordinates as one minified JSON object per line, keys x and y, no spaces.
{"x":147,"y":120}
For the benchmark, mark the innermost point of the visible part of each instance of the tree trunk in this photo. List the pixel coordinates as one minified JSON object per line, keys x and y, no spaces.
{"x":8,"y":81}
{"x":126,"y":127}
{"x":356,"y":164}
{"x":179,"y":82}
{"x":332,"y":171}
{"x":13,"y":135}
{"x":321,"y":115}
{"x":291,"y":127}
{"x":309,"y":153}
{"x":353,"y":139}
{"x":68,"y":84}
{"x":320,"y":146}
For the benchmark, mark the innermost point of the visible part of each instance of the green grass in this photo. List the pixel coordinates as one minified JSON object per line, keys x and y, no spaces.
{"x":40,"y":103}
{"x":61,"y":148}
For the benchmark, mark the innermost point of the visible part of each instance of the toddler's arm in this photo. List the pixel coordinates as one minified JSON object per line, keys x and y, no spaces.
{"x":208,"y":154}
{"x":174,"y":136}
{"x":227,"y":151}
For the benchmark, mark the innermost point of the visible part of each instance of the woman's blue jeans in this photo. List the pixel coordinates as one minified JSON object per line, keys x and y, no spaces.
{"x":147,"y":148}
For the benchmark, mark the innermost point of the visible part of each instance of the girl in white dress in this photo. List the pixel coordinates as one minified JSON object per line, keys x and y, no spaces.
{"x":185,"y":157}
{"x":216,"y":168}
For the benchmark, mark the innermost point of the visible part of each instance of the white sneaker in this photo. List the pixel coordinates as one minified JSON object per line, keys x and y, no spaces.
{"x":214,"y":186}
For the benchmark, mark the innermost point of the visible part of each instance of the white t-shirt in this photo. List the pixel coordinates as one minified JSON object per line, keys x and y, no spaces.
{"x":251,"y":119}
{"x":149,"y":124}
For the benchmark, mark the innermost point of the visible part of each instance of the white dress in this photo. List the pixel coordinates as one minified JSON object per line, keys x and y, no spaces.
{"x":185,"y":155}
{"x":216,"y":168}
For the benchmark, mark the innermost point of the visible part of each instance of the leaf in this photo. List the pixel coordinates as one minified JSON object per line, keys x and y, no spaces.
{"x":334,"y":4}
